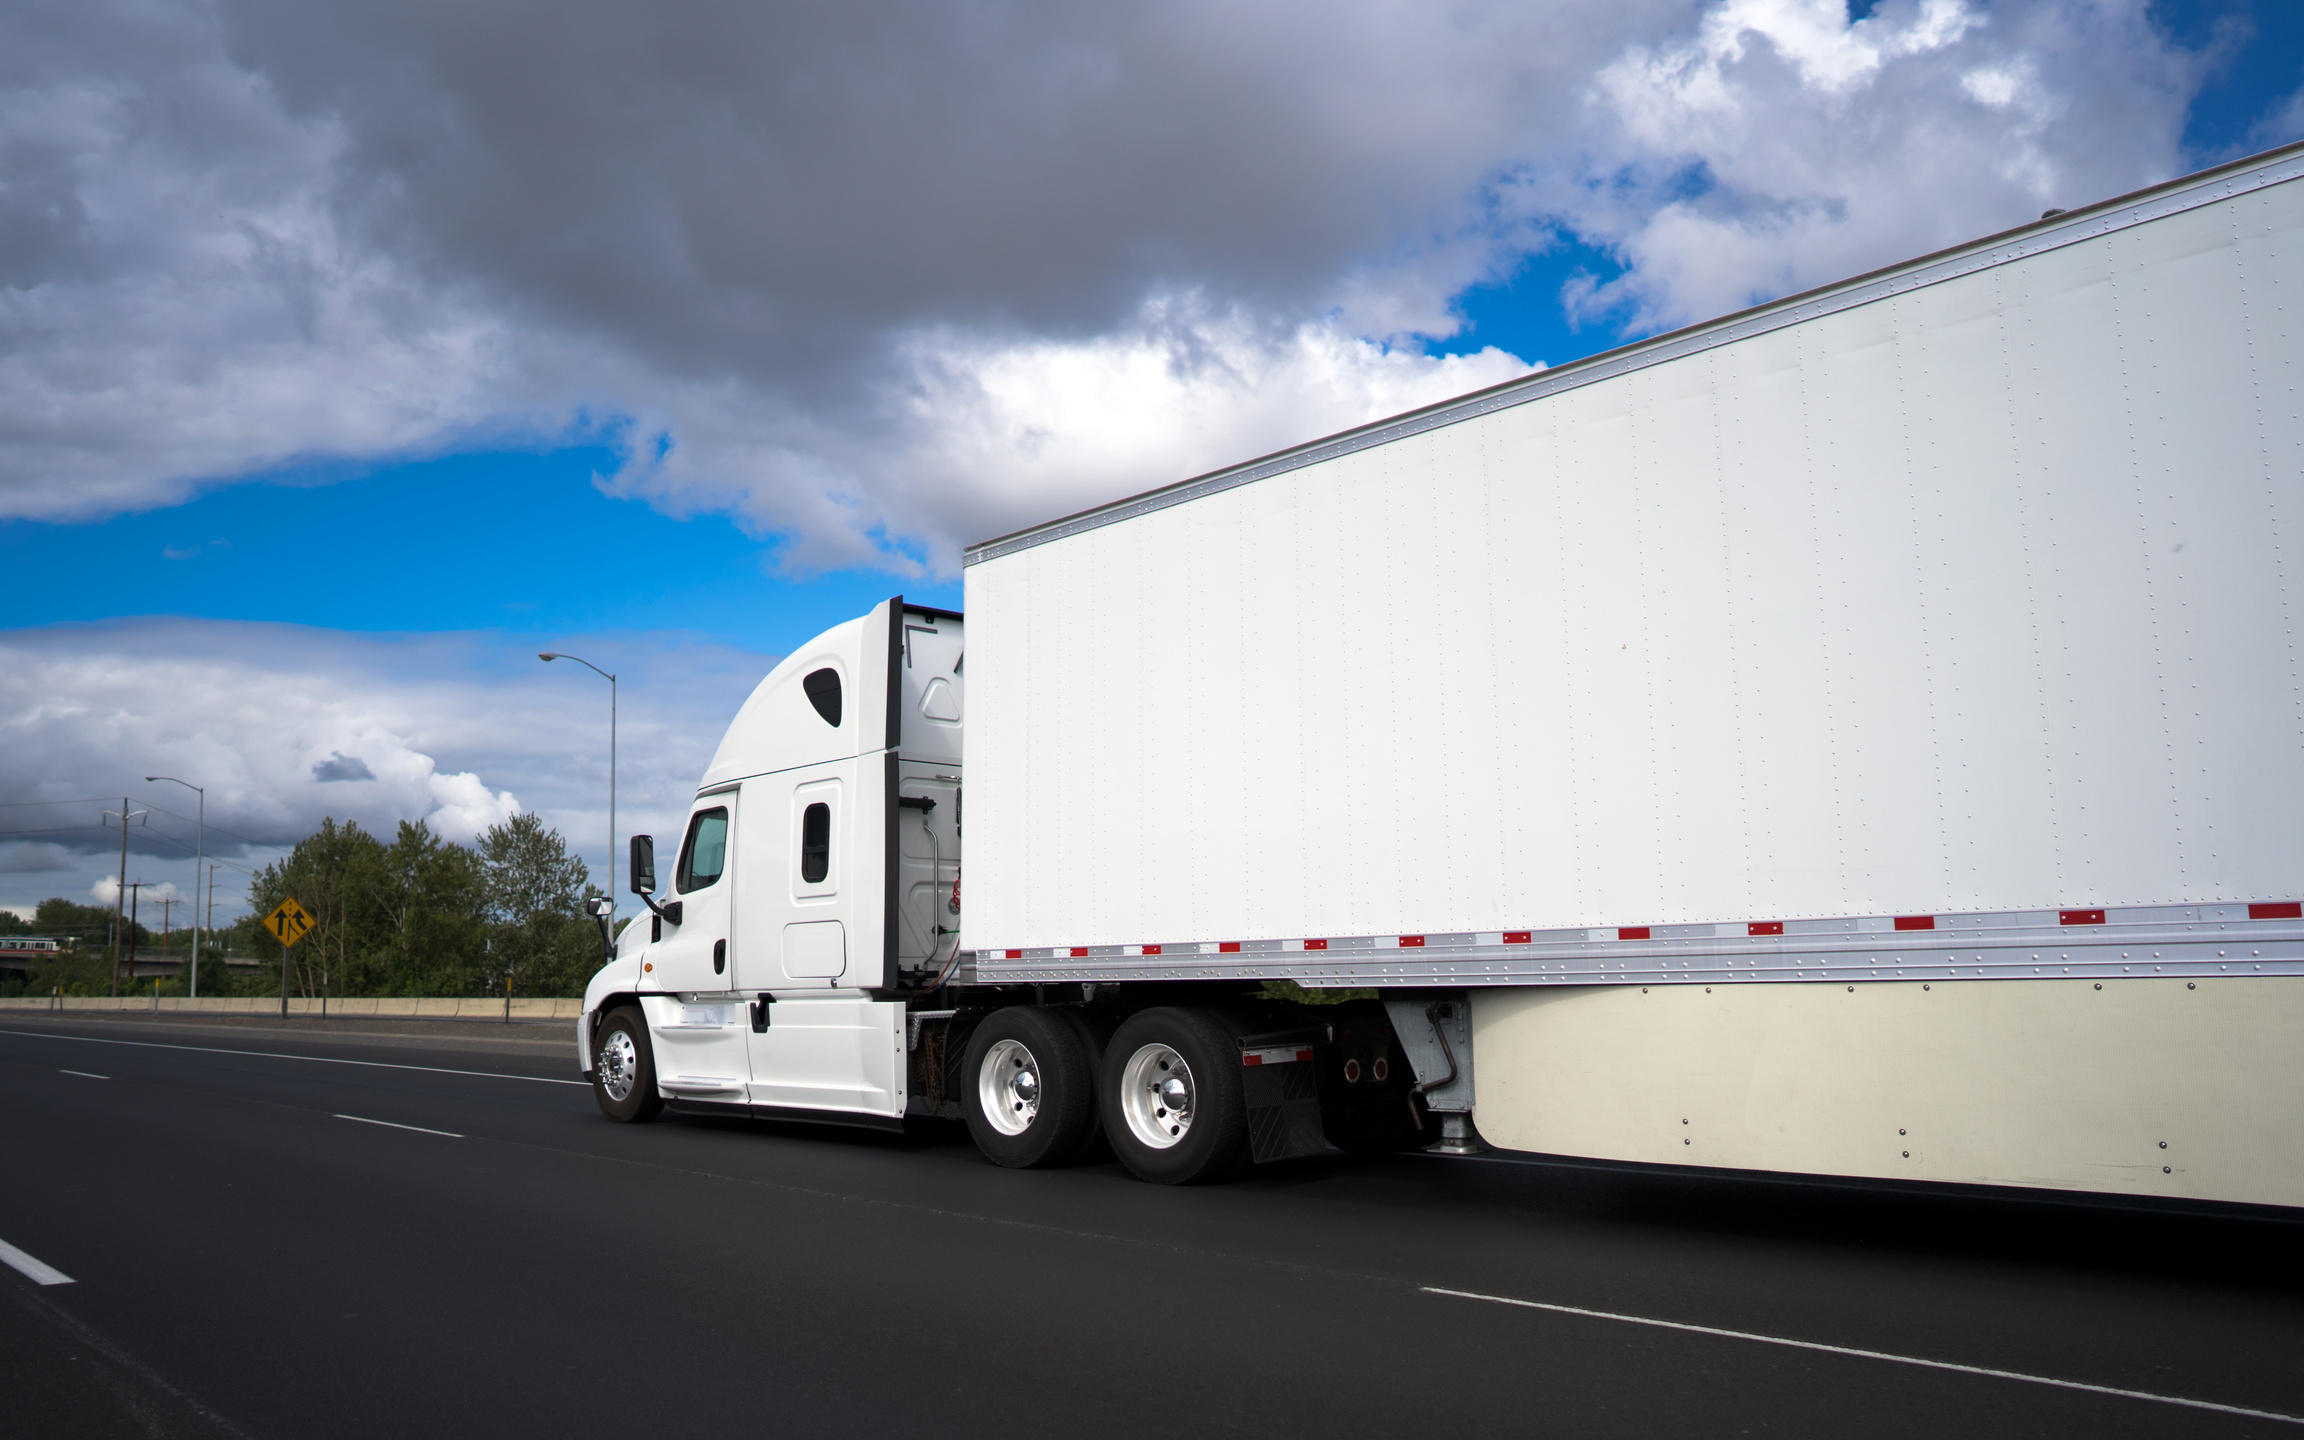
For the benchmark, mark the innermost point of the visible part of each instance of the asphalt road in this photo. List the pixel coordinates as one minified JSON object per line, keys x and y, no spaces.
{"x":248,"y":1261}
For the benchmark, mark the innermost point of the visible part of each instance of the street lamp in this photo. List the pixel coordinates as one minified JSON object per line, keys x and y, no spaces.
{"x":199,"y":864}
{"x":549,"y":656}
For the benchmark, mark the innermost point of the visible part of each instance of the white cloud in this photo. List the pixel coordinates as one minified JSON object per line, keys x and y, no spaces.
{"x":879,"y":290}
{"x":107,"y":889}
{"x":461,"y":731}
{"x":1780,"y":146}
{"x":977,"y":433}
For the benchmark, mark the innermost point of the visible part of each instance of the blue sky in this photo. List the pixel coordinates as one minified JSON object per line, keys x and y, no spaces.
{"x":797,"y":415}
{"x":514,"y":541}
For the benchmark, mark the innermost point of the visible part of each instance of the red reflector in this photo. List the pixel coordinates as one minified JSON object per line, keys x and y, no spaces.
{"x":1915,"y":922}
{"x":1409,"y":942}
{"x":1515,"y":937}
{"x":1014,"y":954}
{"x":2079,"y":917}
{"x":1765,"y":927}
{"x":1151,"y":949}
{"x":1229,"y":947}
{"x":1315,"y":944}
{"x":1079,"y":950}
{"x":2290,"y":910}
{"x":1631,"y":932}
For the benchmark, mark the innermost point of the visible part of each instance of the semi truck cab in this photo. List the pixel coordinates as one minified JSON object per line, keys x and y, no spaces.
{"x":813,"y":884}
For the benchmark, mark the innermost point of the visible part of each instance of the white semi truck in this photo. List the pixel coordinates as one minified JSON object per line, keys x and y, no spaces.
{"x":1860,"y":736}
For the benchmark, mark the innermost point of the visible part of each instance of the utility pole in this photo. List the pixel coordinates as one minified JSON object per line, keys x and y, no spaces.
{"x":199,"y":858}
{"x":124,"y":816}
{"x":211,"y":918}
{"x":135,"y":891}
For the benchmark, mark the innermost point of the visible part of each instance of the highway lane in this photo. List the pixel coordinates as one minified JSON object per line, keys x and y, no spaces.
{"x":245,"y":1262}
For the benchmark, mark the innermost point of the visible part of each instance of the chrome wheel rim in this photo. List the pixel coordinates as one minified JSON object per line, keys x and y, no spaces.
{"x":1156,"y":1096}
{"x":619,"y":1064}
{"x":1008,"y":1087}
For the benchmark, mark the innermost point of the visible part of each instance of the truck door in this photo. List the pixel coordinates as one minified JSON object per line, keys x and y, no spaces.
{"x":813,"y":1046}
{"x":798,"y":837}
{"x":695,"y":954}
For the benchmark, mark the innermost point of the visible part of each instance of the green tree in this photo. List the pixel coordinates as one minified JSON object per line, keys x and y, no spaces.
{"x":334,"y":874}
{"x":541,"y":941}
{"x":429,"y":895}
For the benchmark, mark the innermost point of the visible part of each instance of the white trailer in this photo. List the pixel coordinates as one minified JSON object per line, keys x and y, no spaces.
{"x":1859,"y":736}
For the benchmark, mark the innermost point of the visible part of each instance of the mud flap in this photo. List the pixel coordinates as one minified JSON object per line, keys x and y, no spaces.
{"x":1281,"y":1087}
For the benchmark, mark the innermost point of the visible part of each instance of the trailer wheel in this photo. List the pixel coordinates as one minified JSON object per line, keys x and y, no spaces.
{"x":1027,"y":1090}
{"x":1095,"y":1031}
{"x":624,"y":1068}
{"x":1173,"y":1107}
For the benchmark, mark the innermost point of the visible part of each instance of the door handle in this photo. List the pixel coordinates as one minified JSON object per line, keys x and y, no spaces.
{"x":719,"y":957}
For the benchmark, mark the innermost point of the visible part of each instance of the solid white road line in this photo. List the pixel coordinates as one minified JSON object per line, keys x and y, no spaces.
{"x":394,"y":1124}
{"x":1876,"y":1355}
{"x":282,"y":1055}
{"x":84,"y":1074}
{"x":32,"y":1269}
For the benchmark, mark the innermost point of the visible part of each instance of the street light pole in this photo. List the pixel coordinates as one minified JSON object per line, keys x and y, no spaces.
{"x":199,"y":863}
{"x":551,"y":655}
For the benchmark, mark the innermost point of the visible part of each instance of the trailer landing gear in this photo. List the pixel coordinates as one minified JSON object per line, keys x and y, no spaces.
{"x":1457,"y":1137}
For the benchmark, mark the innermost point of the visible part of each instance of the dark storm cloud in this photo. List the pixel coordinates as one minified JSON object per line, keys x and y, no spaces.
{"x":879,"y":279}
{"x":340,"y":766}
{"x":775,"y":189}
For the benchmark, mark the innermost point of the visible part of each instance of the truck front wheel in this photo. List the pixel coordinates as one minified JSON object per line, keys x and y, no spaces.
{"x":1173,"y":1107}
{"x":1030,"y":1093}
{"x":624,"y":1068}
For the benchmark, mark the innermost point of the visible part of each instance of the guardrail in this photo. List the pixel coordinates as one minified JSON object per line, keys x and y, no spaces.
{"x":352,"y":1008}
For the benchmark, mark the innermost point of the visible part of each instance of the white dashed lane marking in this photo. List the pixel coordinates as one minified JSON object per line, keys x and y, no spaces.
{"x":33,"y":1270}
{"x":396,"y":1125}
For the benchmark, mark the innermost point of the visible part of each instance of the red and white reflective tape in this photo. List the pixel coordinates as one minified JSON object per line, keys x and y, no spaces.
{"x":1278,"y":1055}
{"x":1852,"y":927}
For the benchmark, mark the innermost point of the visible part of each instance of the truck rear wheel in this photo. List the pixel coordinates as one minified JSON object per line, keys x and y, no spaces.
{"x":1172,"y":1100}
{"x":1028,"y":1091}
{"x":1095,"y":1030}
{"x":624,"y":1068}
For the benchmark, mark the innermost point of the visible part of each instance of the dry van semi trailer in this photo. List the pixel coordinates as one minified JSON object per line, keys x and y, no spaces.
{"x":1861,"y":736}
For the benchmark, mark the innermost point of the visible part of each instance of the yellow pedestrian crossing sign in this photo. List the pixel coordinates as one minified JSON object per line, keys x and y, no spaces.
{"x":288,"y":922}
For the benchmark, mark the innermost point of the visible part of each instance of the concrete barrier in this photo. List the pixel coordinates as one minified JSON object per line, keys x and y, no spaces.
{"x":350,"y":1008}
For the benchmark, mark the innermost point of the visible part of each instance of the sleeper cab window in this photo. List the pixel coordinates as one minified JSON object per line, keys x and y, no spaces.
{"x":815,"y":843}
{"x":823,"y":687}
{"x":706,"y":853}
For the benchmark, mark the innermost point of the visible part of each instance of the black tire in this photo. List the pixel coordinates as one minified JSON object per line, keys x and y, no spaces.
{"x":1213,"y":1140}
{"x":1031,"y":1065}
{"x":640,"y":1102}
{"x":1095,"y":1030}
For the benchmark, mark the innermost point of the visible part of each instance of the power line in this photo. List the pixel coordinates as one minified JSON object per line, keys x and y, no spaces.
{"x":267,"y":844}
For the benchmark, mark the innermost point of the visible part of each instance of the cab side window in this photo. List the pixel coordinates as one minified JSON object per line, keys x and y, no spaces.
{"x":815,"y":844}
{"x":705,"y":854}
